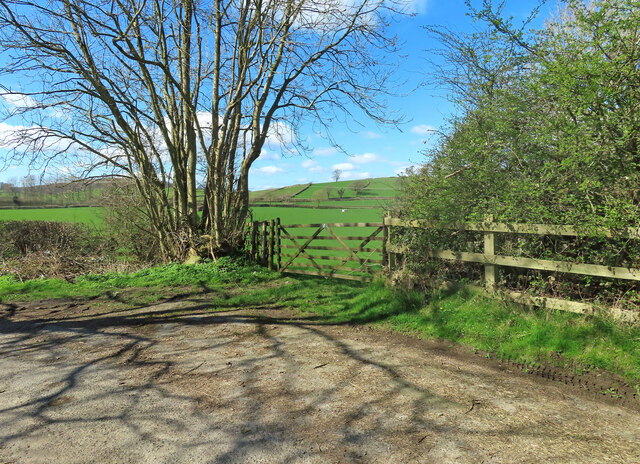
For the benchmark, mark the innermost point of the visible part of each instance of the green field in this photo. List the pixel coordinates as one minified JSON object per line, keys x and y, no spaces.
{"x":374,"y":197}
{"x":382,"y":187}
{"x":84,"y":215}
{"x":314,"y":216}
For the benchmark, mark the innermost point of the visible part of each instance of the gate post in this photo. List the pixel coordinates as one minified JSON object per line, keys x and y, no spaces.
{"x":279,"y":245}
{"x":254,"y":241}
{"x":263,"y":254}
{"x":272,"y":239}
{"x":489,"y":252}
{"x":385,"y":239}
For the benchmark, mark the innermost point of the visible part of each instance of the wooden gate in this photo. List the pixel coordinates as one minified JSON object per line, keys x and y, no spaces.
{"x":332,"y":250}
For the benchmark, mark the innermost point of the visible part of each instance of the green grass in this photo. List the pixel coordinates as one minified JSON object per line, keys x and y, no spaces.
{"x":187,"y":277}
{"x":507,"y":331}
{"x":315,"y":216}
{"x":86,"y":215}
{"x":379,"y":187}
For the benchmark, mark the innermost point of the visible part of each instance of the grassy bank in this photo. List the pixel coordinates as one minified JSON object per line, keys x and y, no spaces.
{"x":506,"y":331}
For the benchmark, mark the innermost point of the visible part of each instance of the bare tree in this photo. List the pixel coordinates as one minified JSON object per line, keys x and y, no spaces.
{"x":28,"y":183}
{"x":336,"y":174}
{"x":154,"y":90}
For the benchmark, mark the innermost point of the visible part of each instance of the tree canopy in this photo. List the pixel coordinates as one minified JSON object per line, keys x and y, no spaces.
{"x":169,"y":93}
{"x":548,"y":121}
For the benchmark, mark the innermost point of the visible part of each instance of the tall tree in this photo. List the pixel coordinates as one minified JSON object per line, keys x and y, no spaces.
{"x":159,"y":90}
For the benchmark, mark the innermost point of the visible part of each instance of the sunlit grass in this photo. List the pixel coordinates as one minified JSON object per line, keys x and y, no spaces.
{"x":507,"y":331}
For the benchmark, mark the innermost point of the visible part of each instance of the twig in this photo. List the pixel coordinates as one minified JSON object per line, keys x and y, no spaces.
{"x":464,"y":168}
{"x":197,"y":367}
{"x":473,"y":403}
{"x":321,"y":365}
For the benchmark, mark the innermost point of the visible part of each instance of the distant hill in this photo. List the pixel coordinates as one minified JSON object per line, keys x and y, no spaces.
{"x":365,"y":193}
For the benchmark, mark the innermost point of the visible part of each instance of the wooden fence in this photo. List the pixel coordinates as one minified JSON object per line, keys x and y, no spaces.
{"x":352,"y":254}
{"x":491,"y":261}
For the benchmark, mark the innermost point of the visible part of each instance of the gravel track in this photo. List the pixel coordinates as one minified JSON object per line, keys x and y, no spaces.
{"x":82,"y":385}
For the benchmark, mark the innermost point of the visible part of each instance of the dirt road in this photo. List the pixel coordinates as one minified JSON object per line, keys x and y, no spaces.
{"x":81,"y":385}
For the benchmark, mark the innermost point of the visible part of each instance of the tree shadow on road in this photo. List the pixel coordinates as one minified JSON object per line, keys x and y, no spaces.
{"x":234,"y":385}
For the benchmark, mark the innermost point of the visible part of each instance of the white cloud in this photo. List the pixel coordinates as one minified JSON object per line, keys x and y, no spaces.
{"x":204,"y":119}
{"x":325,"y":151}
{"x":19,"y":100}
{"x":269,"y":170}
{"x":344,"y":167}
{"x":423,"y":129}
{"x":302,"y":180}
{"x":280,"y":135}
{"x":371,"y":135}
{"x":32,"y":137}
{"x":8,"y":133}
{"x":415,"y":6}
{"x":266,"y":155}
{"x":349,"y":175}
{"x":365,"y":158}
{"x":313,"y":166}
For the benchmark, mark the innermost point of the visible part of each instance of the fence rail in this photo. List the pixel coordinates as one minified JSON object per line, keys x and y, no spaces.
{"x":346,"y":255}
{"x":352,"y":255}
{"x":490,"y":260}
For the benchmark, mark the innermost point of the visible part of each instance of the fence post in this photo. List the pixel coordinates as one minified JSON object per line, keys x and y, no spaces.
{"x":272,"y":239}
{"x":279,"y":245}
{"x":254,"y":241}
{"x":489,"y":251}
{"x":263,"y":254}
{"x":385,"y":239}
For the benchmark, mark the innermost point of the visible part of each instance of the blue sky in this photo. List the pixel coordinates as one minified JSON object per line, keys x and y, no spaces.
{"x":375,"y":151}
{"x":372,"y":150}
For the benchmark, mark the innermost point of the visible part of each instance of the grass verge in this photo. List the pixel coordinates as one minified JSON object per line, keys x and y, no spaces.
{"x":507,"y":331}
{"x":185,"y":278}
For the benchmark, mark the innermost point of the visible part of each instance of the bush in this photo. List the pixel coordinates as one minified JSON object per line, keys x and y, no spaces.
{"x":126,"y":222}
{"x":21,"y":238}
{"x":35,"y":249}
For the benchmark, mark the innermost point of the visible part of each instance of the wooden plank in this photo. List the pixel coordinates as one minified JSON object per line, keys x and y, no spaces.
{"x":489,"y":250}
{"x":279,"y":245}
{"x":595,"y":270}
{"x":272,"y":245}
{"x":306,"y":266}
{"x":385,"y":240}
{"x":338,"y":224}
{"x":323,"y":248}
{"x":303,"y":237}
{"x":346,"y":247}
{"x":551,"y":303}
{"x":254,"y":240}
{"x":263,"y":246}
{"x":534,"y":229}
{"x":303,"y":250}
{"x":338,"y":258}
{"x":336,"y":276}
{"x":320,"y":229}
